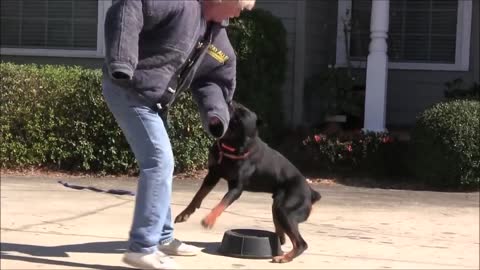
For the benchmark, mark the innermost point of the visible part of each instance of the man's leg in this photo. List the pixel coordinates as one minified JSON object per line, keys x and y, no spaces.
{"x":167,"y":231}
{"x":148,"y":139}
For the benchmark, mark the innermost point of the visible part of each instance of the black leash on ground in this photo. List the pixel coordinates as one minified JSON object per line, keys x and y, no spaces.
{"x":110,"y":191}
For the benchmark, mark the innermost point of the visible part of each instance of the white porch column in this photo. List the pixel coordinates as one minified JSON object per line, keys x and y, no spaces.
{"x":299,"y":64}
{"x":377,"y":68}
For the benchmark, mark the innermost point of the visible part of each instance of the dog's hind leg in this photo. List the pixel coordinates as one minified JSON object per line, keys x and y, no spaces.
{"x":278,"y":229}
{"x":208,"y":184}
{"x":288,"y":223}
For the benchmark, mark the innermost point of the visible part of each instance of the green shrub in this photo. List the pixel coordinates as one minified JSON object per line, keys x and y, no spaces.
{"x":54,"y":116}
{"x":446,"y":145}
{"x":189,"y":141}
{"x":259,"y":39}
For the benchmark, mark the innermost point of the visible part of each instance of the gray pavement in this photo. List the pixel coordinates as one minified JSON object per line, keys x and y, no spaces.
{"x":47,"y":226}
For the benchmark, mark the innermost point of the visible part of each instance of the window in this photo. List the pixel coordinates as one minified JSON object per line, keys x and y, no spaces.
{"x":53,"y":27}
{"x":423,"y":34}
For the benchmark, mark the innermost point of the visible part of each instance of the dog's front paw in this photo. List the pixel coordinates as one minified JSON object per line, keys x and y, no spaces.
{"x":208,"y":222}
{"x":182,"y":217}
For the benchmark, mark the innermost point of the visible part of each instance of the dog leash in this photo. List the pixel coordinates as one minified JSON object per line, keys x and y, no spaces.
{"x":109,"y":191}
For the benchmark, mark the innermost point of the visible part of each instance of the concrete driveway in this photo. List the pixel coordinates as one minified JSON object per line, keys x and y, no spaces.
{"x":47,"y":226}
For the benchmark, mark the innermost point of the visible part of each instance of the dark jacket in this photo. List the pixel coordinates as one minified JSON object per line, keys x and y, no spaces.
{"x":148,"y":41}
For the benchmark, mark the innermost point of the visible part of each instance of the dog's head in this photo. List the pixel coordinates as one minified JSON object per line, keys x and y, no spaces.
{"x":243,"y":124}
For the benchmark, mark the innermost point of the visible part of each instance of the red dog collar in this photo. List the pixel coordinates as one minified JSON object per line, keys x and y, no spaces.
{"x":222,"y":147}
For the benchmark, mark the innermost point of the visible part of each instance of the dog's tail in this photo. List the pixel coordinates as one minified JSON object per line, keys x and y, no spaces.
{"x":315,"y":195}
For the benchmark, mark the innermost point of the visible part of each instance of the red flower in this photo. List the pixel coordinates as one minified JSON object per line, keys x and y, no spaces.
{"x":317,"y":138}
{"x":387,"y":139}
{"x":349,"y":148}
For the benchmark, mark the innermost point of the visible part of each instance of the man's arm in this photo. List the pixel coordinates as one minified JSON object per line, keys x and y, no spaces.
{"x":123,"y":23}
{"x":214,"y":90}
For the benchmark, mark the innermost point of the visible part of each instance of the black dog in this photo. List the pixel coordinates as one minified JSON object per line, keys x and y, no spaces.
{"x":247,"y":163}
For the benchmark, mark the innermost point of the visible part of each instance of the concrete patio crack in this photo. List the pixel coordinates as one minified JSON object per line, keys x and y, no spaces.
{"x":89,"y":213}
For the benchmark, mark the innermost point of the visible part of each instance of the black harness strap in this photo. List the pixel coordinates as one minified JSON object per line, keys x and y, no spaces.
{"x":178,"y":83}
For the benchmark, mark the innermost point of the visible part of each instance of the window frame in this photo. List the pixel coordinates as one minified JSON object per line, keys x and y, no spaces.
{"x":462,"y":45}
{"x":99,"y":52}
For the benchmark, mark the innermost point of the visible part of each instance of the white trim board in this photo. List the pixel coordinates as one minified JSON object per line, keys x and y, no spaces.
{"x":462,"y":51}
{"x":299,"y":70}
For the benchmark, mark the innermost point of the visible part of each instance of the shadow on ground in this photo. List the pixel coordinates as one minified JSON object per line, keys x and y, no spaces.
{"x":112,"y":247}
{"x":207,"y":247}
{"x":36,"y":252}
{"x":9,"y":251}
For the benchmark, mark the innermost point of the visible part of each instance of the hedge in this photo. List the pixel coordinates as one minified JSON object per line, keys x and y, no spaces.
{"x":446,"y":145}
{"x":55,"y":116}
{"x":260,"y":41}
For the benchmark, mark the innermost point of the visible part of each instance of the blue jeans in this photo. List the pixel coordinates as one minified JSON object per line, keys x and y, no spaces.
{"x":148,"y":139}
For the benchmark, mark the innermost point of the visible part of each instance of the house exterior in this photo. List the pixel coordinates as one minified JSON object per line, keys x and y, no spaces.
{"x":425,"y":43}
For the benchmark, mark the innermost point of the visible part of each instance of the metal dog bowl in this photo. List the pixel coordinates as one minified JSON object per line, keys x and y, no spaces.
{"x":249,"y":243}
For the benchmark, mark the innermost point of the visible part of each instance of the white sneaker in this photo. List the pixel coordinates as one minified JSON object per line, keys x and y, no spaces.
{"x":156,"y":260}
{"x":177,"y":248}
